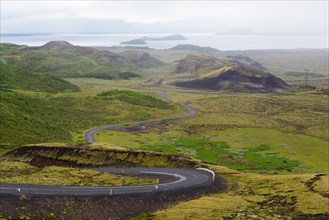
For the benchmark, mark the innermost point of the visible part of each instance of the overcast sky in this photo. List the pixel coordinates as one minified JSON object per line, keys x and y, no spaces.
{"x":263,"y":17}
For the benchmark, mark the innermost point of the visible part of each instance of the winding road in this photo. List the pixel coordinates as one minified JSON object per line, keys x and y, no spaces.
{"x":187,"y":178}
{"x":89,"y":135}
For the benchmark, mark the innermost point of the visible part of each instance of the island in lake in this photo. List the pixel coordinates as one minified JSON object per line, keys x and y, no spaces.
{"x":144,"y":39}
{"x":135,"y":41}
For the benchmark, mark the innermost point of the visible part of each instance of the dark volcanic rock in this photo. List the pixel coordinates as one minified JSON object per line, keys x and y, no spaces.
{"x":238,"y":79}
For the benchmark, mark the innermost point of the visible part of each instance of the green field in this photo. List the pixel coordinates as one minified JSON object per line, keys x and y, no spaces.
{"x":249,"y":149}
{"x":257,"y":133}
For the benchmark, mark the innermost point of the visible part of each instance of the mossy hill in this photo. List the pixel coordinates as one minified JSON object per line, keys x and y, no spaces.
{"x":45,"y":117}
{"x":26,"y":119}
{"x":141,"y":59}
{"x":62,"y":59}
{"x":13,"y":77}
{"x":197,"y":64}
{"x":238,"y":79}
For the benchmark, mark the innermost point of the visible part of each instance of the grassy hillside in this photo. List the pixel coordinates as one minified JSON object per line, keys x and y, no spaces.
{"x":197,"y":64}
{"x":142,"y":59}
{"x":274,"y":147}
{"x":41,"y":119}
{"x":37,"y":117}
{"x":13,"y":77}
{"x":62,"y":59}
{"x":136,"y":98}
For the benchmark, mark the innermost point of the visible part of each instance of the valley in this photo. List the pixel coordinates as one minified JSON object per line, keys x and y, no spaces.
{"x":264,"y":136}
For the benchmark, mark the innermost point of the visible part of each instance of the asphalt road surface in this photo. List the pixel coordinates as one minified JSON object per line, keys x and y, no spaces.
{"x":187,"y":178}
{"x":89,"y":135}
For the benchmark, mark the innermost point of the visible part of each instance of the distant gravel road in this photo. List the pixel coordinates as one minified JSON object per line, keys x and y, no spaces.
{"x":89,"y":135}
{"x":187,"y":178}
{"x":3,"y":61}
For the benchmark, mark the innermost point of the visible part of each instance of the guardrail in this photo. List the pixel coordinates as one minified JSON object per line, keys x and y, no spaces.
{"x":209,"y":171}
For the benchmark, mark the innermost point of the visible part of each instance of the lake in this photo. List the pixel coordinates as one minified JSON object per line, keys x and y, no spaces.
{"x":221,"y":42}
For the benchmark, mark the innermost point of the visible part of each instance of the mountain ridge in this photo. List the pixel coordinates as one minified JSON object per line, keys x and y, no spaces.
{"x":63,"y":59}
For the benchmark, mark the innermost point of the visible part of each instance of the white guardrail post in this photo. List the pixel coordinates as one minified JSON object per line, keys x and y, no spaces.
{"x":209,"y":171}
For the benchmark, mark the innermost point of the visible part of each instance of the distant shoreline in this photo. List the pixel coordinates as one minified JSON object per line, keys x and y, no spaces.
{"x":219,"y":42}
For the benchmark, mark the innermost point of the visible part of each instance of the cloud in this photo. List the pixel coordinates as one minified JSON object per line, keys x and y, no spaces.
{"x":294,"y":17}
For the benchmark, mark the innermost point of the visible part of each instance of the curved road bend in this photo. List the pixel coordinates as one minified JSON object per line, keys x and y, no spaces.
{"x":89,"y":135}
{"x":187,"y":178}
